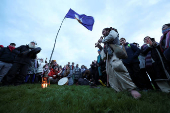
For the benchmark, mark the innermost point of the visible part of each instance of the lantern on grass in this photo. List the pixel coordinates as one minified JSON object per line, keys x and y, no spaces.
{"x":45,"y":82}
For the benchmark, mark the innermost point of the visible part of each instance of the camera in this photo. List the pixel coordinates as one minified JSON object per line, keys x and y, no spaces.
{"x":152,"y":39}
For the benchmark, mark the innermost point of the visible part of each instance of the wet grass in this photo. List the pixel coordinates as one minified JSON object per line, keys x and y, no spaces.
{"x":78,"y":99}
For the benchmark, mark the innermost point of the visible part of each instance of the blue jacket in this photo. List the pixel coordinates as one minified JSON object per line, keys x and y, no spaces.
{"x":132,"y":52}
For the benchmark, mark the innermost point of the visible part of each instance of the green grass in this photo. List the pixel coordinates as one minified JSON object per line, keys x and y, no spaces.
{"x":31,"y":98}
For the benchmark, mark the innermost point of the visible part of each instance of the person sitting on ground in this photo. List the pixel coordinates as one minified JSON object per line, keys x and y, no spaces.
{"x":86,"y":79}
{"x":77,"y":73}
{"x":82,"y":69}
{"x":72,"y":67}
{"x":69,"y":65}
{"x":53,"y":75}
{"x":68,"y":73}
{"x":53,"y":63}
{"x":64,"y":68}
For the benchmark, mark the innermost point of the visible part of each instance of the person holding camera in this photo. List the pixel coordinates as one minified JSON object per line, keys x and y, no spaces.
{"x":21,"y":64}
{"x":119,"y":78}
{"x":156,"y":65}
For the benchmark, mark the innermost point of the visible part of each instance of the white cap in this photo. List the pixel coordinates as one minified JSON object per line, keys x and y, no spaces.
{"x":34,"y":42}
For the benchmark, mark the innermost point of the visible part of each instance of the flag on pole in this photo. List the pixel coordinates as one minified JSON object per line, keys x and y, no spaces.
{"x":86,"y":21}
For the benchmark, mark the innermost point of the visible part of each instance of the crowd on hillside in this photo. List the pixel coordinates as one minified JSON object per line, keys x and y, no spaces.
{"x":120,"y":65}
{"x":19,"y":66}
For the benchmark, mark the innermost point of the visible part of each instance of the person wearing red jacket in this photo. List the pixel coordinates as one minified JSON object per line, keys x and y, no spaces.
{"x":54,"y":75}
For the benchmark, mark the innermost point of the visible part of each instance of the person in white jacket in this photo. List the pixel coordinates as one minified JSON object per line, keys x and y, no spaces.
{"x":39,"y":70}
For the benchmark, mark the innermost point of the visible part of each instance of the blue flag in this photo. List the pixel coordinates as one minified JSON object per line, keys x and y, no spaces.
{"x":86,"y":21}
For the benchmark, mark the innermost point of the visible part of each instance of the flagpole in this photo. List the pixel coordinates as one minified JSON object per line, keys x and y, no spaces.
{"x":54,"y":47}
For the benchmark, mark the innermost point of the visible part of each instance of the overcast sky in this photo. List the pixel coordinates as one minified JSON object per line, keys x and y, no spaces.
{"x":22,"y":21}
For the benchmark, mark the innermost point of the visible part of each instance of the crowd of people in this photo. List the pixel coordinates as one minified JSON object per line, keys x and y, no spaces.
{"x":132,"y":67}
{"x":119,"y":65}
{"x":20,"y":65}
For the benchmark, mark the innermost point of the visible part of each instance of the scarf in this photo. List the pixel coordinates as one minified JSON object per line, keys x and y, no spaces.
{"x":166,"y":34}
{"x":11,"y":48}
{"x":166,"y":30}
{"x":148,"y":59}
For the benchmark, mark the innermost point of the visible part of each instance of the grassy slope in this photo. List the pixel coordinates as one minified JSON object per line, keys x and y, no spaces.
{"x":83,"y":99}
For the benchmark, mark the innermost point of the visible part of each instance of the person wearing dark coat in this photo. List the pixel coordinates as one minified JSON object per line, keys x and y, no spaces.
{"x":7,"y":56}
{"x":156,"y":64}
{"x":94,"y":72}
{"x":165,"y":42}
{"x":21,"y":64}
{"x":132,"y":64}
{"x":143,"y":70}
{"x":86,"y":78}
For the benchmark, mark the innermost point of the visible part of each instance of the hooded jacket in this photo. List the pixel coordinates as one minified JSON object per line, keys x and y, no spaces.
{"x":132,"y":52}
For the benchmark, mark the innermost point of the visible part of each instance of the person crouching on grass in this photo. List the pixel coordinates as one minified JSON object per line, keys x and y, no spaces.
{"x":68,"y":73}
{"x":119,"y":78}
